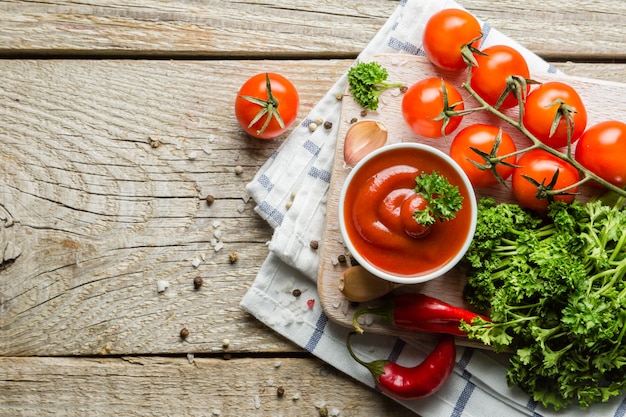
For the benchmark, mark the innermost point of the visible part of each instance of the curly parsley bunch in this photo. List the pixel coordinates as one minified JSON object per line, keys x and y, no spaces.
{"x":556,"y":290}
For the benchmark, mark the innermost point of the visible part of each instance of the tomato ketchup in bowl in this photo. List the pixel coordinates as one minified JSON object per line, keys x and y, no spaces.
{"x":376,"y":214}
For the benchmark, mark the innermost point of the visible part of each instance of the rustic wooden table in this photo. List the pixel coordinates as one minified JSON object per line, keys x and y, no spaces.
{"x":93,"y":214}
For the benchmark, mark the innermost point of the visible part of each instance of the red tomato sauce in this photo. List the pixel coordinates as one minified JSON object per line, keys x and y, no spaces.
{"x":372,"y":211}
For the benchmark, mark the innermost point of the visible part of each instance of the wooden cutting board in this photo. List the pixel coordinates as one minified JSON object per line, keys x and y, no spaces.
{"x":603,"y":100}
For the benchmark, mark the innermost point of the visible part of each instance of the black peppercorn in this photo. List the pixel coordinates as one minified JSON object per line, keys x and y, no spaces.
{"x":197,"y":283}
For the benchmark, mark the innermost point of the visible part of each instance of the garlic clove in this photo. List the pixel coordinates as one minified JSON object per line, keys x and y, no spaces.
{"x":359,"y":285}
{"x":362,"y":138}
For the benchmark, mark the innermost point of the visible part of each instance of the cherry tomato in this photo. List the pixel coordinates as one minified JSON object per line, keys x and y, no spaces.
{"x":267,"y":105}
{"x":445,"y":36}
{"x":423,"y":104}
{"x":483,"y":138}
{"x":489,"y":76}
{"x":542,"y":108}
{"x":541,"y":166}
{"x":602,"y":149}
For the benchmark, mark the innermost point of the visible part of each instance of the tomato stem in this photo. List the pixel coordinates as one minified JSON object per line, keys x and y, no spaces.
{"x":564,"y":111}
{"x":269,"y":108}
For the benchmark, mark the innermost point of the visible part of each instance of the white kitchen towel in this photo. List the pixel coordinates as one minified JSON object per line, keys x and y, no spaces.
{"x":290,"y":192}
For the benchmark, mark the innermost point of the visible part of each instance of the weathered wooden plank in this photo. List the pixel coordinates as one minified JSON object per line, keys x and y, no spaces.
{"x":91,"y":216}
{"x":166,"y":386}
{"x":578,"y":29}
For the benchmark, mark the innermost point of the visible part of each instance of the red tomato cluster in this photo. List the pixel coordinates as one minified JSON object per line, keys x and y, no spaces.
{"x":552,"y":112}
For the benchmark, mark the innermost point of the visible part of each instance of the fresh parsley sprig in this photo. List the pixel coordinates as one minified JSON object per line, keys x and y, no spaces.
{"x":443,"y":199}
{"x":367,"y":81}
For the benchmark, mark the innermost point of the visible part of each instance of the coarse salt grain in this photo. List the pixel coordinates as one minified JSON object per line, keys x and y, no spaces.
{"x":190,"y":358}
{"x":345,"y":307}
{"x":216,"y":224}
{"x":334,"y":412}
{"x":162,"y":285}
{"x":257,"y":402}
{"x":196,"y":262}
{"x":218,"y":246}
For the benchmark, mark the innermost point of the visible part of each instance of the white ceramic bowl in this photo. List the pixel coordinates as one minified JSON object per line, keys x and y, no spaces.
{"x":428,"y":247}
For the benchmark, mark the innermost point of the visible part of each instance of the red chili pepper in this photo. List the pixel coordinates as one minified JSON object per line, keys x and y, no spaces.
{"x":421,"y":313}
{"x":420,"y":381}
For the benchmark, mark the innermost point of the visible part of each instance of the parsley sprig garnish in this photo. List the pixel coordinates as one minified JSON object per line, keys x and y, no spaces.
{"x":367,"y":81}
{"x":443,"y":199}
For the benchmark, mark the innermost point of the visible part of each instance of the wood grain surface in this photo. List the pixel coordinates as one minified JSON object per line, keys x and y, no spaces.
{"x":115,"y":123}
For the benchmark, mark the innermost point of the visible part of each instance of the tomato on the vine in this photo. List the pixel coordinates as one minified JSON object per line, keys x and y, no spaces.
{"x":602,"y":148}
{"x":548,"y":109}
{"x":446,"y":35}
{"x":484,"y":139}
{"x":424,"y":105}
{"x":492,"y":71}
{"x":537,"y":172}
{"x":267,"y":105}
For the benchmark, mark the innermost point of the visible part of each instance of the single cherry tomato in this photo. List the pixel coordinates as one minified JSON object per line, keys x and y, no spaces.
{"x":539,"y":167}
{"x":602,"y":149}
{"x":492,"y":71}
{"x":415,"y":202}
{"x":423,"y":105}
{"x":447,"y":34}
{"x":546,"y":113}
{"x":483,"y":138}
{"x":267,"y":105}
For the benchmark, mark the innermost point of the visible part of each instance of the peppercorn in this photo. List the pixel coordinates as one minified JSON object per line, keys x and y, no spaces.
{"x":280,"y":391}
{"x":353,"y":120}
{"x":323,"y":411}
{"x":296,"y":293}
{"x":197,"y":283}
{"x":184,"y":333}
{"x":363,"y":113}
{"x":233,"y":257}
{"x":314,"y":244}
{"x":210,"y":199}
{"x":328,"y":124}
{"x":341,"y":259}
{"x":238,"y":170}
{"x":154,"y":143}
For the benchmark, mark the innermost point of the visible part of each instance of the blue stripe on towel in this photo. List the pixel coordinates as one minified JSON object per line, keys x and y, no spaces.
{"x":621,"y":410}
{"x":317,"y":333}
{"x":531,"y":406}
{"x":396,"y":350}
{"x":321,"y":174}
{"x":399,"y":45}
{"x":466,"y":394}
{"x":486,"y":29}
{"x":271,"y":212}
{"x":311,"y":147}
{"x":265,"y":182}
